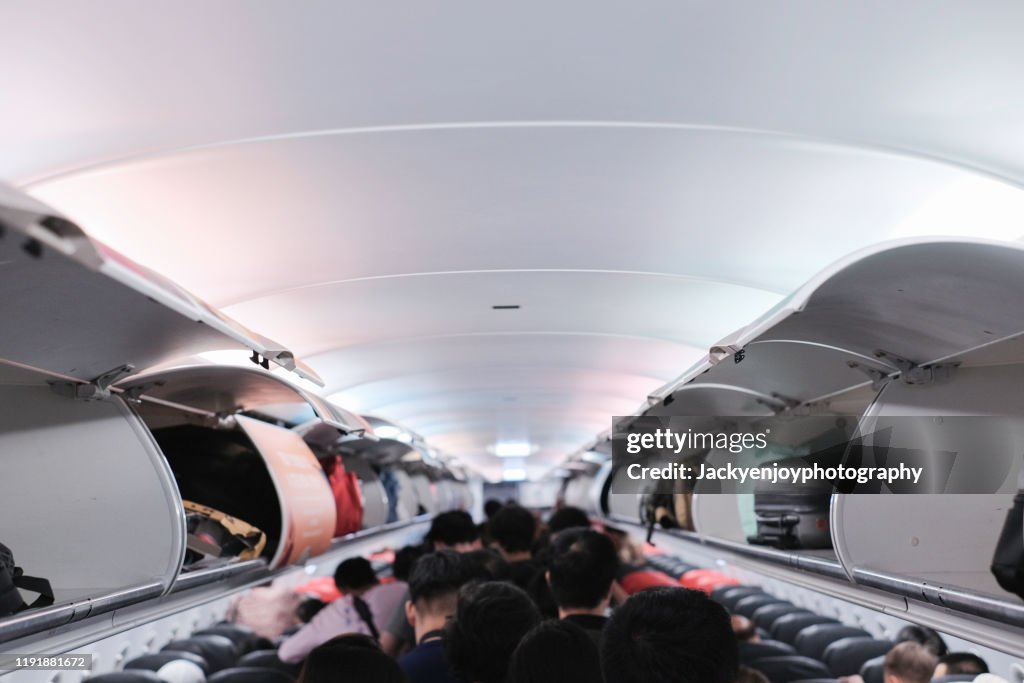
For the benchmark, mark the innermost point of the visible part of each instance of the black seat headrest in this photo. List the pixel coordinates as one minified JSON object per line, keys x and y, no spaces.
{"x":767,"y":614}
{"x":748,"y":605}
{"x":268,"y":659}
{"x":249,"y":674}
{"x":787,"y":628}
{"x":153,"y":662}
{"x":218,"y":651}
{"x":873,"y":670}
{"x":133,"y":676}
{"x":750,"y":652}
{"x":789,"y":668}
{"x":846,"y":656}
{"x":814,"y":639}
{"x":728,"y":596}
{"x":244,"y":638}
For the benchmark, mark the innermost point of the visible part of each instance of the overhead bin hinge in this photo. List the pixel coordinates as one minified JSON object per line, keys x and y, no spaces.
{"x":135,"y":393}
{"x":913,"y":373}
{"x":878,"y":377}
{"x":95,"y":390}
{"x":779,"y":403}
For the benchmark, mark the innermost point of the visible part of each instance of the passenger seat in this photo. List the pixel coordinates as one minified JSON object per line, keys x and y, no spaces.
{"x":846,"y":656}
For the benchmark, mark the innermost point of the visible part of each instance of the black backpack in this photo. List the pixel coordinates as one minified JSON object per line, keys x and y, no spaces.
{"x":1008,"y":562}
{"x":12,"y":578}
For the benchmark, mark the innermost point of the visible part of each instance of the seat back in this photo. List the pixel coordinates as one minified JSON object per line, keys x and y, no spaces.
{"x":789,"y":668}
{"x":873,"y":670}
{"x":751,"y":603}
{"x":750,"y":652}
{"x":846,"y":656}
{"x":728,"y":596}
{"x":218,"y":651}
{"x":787,"y":628}
{"x":766,"y":615}
{"x":133,"y":676}
{"x":244,"y":638}
{"x":157,"y":660}
{"x":813,"y":640}
{"x":268,"y":659}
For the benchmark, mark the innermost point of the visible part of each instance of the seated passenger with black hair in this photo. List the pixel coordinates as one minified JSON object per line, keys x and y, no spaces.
{"x":490,"y":620}
{"x":583,"y":566}
{"x":352,"y":658}
{"x":485,"y":564}
{"x":364,"y":607}
{"x":513,"y":530}
{"x":452,"y":530}
{"x":555,"y":652}
{"x":433,"y":596}
{"x":960,"y":663}
{"x":669,"y":635}
{"x":567,"y":517}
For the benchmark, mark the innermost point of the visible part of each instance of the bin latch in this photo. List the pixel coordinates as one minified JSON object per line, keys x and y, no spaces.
{"x":96,"y":389}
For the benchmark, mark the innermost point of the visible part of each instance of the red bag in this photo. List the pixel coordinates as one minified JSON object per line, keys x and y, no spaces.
{"x":347,"y":497}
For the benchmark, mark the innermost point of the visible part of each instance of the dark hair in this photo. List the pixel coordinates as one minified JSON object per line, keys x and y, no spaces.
{"x":485,"y":564}
{"x":491,"y":506}
{"x":452,"y":528}
{"x":963,"y":663}
{"x":567,"y":518}
{"x":924,"y":636}
{"x":583,"y":565}
{"x":555,"y":651}
{"x":308,"y":608}
{"x":911,"y":662}
{"x":405,"y":558}
{"x":357,"y":655}
{"x":490,"y":620}
{"x":513,"y":528}
{"x":436,"y":575}
{"x":354,"y":573}
{"x":669,"y":635}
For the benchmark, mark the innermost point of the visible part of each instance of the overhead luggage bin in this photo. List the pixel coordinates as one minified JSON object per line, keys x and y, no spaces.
{"x":79,"y":310}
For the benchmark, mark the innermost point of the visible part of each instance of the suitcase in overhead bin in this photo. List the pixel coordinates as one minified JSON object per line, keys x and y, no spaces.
{"x":347,"y":497}
{"x":792,"y":520}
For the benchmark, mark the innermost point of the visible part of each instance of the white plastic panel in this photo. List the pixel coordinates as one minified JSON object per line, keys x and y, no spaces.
{"x":944,"y":539}
{"x":90,"y":502}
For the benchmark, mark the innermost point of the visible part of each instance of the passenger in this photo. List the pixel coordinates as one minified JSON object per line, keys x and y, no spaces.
{"x":960,"y":663}
{"x":269,"y":610}
{"x":405,"y":559}
{"x":556,"y":652}
{"x":486,"y":564}
{"x":351,"y":658}
{"x":364,"y":607}
{"x":925,"y":636}
{"x":491,"y":507}
{"x":308,"y":609}
{"x":745,"y":630}
{"x":514,"y":529}
{"x":490,"y":620}
{"x":669,"y":635}
{"x":567,"y":517}
{"x":748,"y":675}
{"x":583,"y":567}
{"x":909,"y":662}
{"x":452,"y":530}
{"x":434,"y":594}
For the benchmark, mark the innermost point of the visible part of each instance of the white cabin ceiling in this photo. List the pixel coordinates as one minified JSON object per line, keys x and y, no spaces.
{"x":364,"y":182}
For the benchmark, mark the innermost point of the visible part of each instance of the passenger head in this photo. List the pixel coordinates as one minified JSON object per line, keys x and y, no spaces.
{"x":404,"y":561}
{"x":567,"y":518}
{"x":355,"y":575}
{"x":453,"y":530}
{"x":909,"y":662}
{"x":583,"y":566}
{"x":485,"y":565}
{"x":434,"y":590}
{"x":555,"y":652}
{"x":308,"y":608}
{"x":745,"y":630}
{"x":491,"y":507}
{"x":490,"y":620}
{"x":924,"y":636}
{"x":669,"y":635}
{"x":351,"y":658}
{"x":513,"y":529}
{"x":748,"y":675}
{"x":960,"y":663}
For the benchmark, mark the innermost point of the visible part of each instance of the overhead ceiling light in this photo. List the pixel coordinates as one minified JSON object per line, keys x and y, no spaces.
{"x":512,"y":449}
{"x":505,"y":307}
{"x":513,"y":474}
